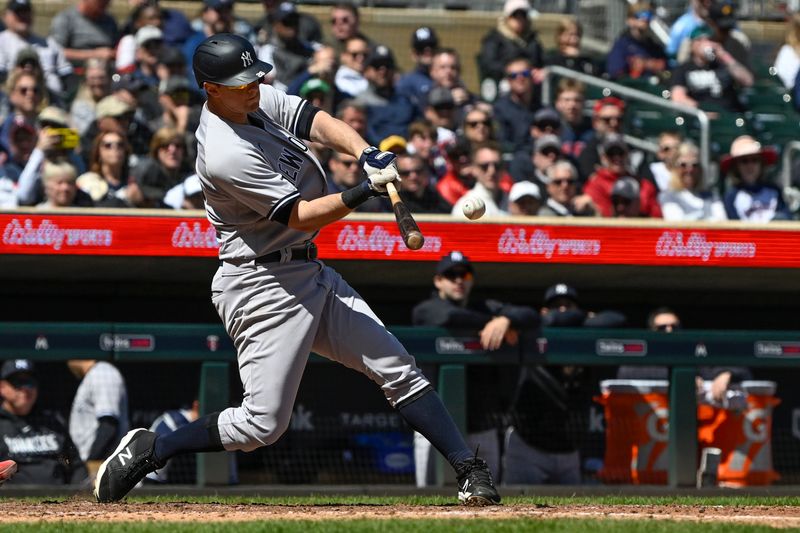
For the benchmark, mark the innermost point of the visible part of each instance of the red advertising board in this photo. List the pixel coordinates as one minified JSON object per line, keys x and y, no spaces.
{"x":350,"y":239}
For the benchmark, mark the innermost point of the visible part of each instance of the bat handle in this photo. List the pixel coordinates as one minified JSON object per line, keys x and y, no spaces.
{"x":409,"y":230}
{"x":394,"y":196}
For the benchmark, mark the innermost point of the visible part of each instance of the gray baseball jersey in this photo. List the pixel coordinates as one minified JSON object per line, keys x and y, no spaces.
{"x":277,"y":313}
{"x":101,"y":393}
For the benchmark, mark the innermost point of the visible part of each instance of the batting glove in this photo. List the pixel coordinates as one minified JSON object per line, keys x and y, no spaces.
{"x":379,"y":167}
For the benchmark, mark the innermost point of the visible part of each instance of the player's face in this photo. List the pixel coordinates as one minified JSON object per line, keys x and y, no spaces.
{"x":242,"y":99}
{"x":455,"y":284}
{"x":18,"y":397}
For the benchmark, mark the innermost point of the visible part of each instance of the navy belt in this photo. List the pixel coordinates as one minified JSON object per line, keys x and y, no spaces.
{"x":307,"y":252}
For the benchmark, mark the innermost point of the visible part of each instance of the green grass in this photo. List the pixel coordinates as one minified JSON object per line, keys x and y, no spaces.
{"x":385,"y":526}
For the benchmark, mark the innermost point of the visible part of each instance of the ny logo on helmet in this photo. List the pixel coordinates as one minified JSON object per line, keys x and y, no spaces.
{"x":247,"y":60}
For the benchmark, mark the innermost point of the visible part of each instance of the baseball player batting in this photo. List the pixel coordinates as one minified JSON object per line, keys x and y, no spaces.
{"x":265,"y":194}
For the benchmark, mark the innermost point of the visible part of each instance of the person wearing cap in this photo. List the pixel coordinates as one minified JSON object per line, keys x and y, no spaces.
{"x":114,"y":112}
{"x":684,"y":25}
{"x":515,"y":110}
{"x":440,"y":110}
{"x":496,"y":324}
{"x":178,"y":112}
{"x":285,"y":49}
{"x":18,"y":36}
{"x":216,"y":17}
{"x":416,"y":83}
{"x":352,"y":63}
{"x":711,"y":76}
{"x":608,"y":115}
{"x":614,"y":160}
{"x":308,"y":27}
{"x":417,"y":192}
{"x":146,"y":14}
{"x":686,"y":196}
{"x":625,"y":198}
{"x":562,"y":187}
{"x":524,"y":199}
{"x":388,"y":112}
{"x":488,"y":169}
{"x":722,"y":19}
{"x":22,"y":138}
{"x":86,"y":31}
{"x":36,"y":439}
{"x":513,"y":37}
{"x":752,"y":197}
{"x":149,"y":41}
{"x":636,"y":52}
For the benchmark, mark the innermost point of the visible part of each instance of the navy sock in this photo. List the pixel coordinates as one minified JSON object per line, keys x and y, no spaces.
{"x":428,"y":416}
{"x":201,"y":435}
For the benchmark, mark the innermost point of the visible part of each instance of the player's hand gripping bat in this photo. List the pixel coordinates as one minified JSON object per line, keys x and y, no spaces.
{"x":412,"y":236}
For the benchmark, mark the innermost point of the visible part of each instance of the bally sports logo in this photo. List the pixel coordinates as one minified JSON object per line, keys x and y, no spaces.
{"x":623,"y":347}
{"x":776,"y":349}
{"x":458,"y":345}
{"x":127,"y":342}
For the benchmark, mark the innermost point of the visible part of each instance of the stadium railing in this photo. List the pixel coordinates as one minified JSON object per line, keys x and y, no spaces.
{"x":451,"y":351}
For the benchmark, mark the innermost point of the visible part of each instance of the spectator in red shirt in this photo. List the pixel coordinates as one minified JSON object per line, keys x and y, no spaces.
{"x":614,"y":165}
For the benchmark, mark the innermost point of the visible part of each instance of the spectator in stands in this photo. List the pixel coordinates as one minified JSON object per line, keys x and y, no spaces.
{"x":787,"y":62}
{"x":496,"y":323}
{"x":440,"y":110}
{"x":26,"y":98}
{"x":186,"y":195}
{"x":354,"y":115}
{"x":422,"y":142}
{"x":546,"y":122}
{"x":567,"y":52}
{"x":308,"y":28}
{"x":216,"y":17}
{"x":625,"y":198}
{"x":60,"y":188}
{"x":636,"y":52}
{"x":165,"y":167}
{"x":524,"y":199}
{"x":686,"y":198}
{"x":99,"y":416}
{"x":168,"y":422}
{"x":95,"y":87}
{"x":513,"y":37}
{"x":388,"y":112}
{"x":563,"y":200}
{"x":284,"y":50}
{"x":722,"y":20}
{"x":86,"y":31}
{"x":175,"y":25}
{"x":350,"y":74}
{"x":446,"y":72}
{"x":107,"y":179}
{"x":710,"y":78}
{"x":322,"y":67}
{"x":608,"y":115}
{"x":319,"y":93}
{"x":18,"y":35}
{"x":752,"y":197}
{"x":614,"y":161}
{"x":683,"y":27}
{"x":345,"y":173}
{"x":418,"y":82}
{"x":147,"y":13}
{"x":458,"y":177}
{"x":487,"y":167}
{"x":22,"y":140}
{"x":417,"y":192}
{"x":545,"y":151}
{"x":576,"y":129}
{"x":112,"y":112}
{"x":175,"y":100}
{"x":346,"y":23}
{"x":664,"y":165}
{"x":478,"y":125}
{"x":514,"y":111}
{"x":149,"y":41}
{"x":36,"y":439}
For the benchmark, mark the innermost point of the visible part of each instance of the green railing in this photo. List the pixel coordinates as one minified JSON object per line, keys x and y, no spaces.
{"x":452,"y":351}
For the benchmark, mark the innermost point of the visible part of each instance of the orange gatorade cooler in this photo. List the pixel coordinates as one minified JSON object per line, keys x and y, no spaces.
{"x":637,"y":416}
{"x":744,"y":437}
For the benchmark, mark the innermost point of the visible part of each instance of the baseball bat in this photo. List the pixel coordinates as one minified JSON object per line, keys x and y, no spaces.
{"x":412,"y":236}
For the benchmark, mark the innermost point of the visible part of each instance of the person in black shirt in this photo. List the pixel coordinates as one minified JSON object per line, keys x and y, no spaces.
{"x":37,"y":440}
{"x":495,"y":323}
{"x":417,"y":193}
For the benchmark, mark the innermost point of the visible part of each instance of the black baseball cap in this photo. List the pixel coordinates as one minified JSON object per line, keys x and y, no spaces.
{"x":440,"y":98}
{"x":127,"y":82}
{"x":560,"y":290}
{"x":19,"y":372}
{"x":19,"y":5}
{"x":424,"y":37}
{"x":723,"y":14}
{"x":381,"y":56}
{"x":452,"y":260}
{"x":285,"y":13}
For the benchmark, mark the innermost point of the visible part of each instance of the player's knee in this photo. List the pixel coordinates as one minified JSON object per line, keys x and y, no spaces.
{"x":266,"y":429}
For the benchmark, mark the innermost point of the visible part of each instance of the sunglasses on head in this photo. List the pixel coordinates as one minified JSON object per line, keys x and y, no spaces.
{"x":518,"y":74}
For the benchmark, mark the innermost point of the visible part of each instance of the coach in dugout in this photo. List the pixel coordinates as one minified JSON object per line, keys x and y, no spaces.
{"x":36,"y":439}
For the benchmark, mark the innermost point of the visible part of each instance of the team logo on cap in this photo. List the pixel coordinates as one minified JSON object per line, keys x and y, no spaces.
{"x":561,"y":289}
{"x":456,"y":256}
{"x":247,"y":59}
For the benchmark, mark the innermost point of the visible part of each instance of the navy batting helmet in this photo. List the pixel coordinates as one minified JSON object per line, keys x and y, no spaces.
{"x":227,"y":59}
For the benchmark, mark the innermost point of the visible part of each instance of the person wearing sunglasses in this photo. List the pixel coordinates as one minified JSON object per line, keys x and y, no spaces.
{"x":107,"y":178}
{"x":496,"y":324}
{"x":515,"y":110}
{"x":752,"y":196}
{"x":36,"y":439}
{"x":417,"y":193}
{"x":345,"y":23}
{"x":636,"y":52}
{"x":614,"y":161}
{"x":488,"y":169}
{"x":344,"y":172}
{"x":608,"y":116}
{"x":687,"y":198}
{"x":563,"y":198}
{"x":353,"y":61}
{"x":513,"y":38}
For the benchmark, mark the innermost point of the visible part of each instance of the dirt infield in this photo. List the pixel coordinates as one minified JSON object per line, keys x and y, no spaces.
{"x":82,"y":511}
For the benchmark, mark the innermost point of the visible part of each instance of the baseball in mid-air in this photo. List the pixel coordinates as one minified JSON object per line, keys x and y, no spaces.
{"x":474,"y":208}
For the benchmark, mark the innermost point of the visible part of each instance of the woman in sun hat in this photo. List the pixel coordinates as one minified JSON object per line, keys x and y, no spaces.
{"x":751,"y":196}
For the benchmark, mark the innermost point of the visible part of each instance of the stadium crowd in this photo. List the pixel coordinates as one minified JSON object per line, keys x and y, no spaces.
{"x":103,"y":114}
